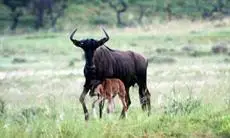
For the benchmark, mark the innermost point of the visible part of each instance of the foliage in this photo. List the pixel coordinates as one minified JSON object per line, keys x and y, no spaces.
{"x":182,"y":106}
{"x":222,"y":125}
{"x":52,"y":11}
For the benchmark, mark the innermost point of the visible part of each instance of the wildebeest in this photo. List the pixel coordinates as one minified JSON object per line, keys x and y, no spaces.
{"x":107,"y":90}
{"x":103,"y":62}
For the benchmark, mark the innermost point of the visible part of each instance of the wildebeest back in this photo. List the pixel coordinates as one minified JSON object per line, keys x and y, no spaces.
{"x":125,"y":65}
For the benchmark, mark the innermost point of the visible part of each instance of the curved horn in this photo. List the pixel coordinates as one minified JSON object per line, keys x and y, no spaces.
{"x":76,"y":42}
{"x":105,"y":39}
{"x":107,"y":36}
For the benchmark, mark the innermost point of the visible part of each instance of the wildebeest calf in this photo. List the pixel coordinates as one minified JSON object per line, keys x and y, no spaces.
{"x":108,"y":89}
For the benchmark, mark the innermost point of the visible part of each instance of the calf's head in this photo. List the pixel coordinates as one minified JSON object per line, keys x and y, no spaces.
{"x":95,"y":86}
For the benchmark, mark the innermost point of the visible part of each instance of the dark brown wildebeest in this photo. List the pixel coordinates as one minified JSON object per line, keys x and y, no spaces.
{"x":107,"y":90}
{"x":103,"y":62}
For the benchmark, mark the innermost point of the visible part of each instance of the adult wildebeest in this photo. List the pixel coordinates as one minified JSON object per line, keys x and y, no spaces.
{"x":103,"y":62}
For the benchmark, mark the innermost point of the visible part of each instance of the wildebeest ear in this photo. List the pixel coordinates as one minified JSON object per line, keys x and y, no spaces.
{"x":103,"y":40}
{"x":76,"y":42}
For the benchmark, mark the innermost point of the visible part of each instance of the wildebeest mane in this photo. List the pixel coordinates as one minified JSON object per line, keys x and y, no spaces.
{"x":110,"y":48}
{"x":103,"y":54}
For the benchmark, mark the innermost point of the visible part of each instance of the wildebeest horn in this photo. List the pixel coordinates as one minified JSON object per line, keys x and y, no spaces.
{"x":105,"y":39}
{"x":76,"y":42}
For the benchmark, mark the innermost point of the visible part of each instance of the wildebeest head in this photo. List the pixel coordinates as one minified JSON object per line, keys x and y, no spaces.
{"x":89,"y":44}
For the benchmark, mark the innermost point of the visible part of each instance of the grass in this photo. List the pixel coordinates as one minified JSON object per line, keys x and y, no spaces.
{"x":189,"y":90}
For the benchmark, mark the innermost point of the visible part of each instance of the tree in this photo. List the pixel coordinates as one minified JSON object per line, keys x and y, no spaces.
{"x":57,"y":12}
{"x":119,"y":6}
{"x":54,"y":8}
{"x":143,"y":7}
{"x":168,"y":10}
{"x":16,"y":7}
{"x":39,"y":7}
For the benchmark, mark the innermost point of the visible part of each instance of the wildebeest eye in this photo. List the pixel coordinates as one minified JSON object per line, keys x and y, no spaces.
{"x":81,"y":43}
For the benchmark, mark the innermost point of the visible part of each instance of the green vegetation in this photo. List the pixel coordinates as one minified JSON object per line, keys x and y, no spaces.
{"x":42,"y":123}
{"x":58,"y":15}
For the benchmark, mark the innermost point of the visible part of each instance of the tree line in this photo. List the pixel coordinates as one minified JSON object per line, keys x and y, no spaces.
{"x":38,"y":8}
{"x":170,"y":9}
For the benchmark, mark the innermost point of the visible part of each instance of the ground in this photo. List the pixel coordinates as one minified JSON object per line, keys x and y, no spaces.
{"x":41,"y":78}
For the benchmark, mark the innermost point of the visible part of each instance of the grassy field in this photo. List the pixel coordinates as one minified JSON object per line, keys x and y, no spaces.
{"x":41,"y":78}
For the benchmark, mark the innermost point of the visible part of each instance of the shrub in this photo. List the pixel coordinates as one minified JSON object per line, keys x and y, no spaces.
{"x":159,"y":60}
{"x":199,"y":53}
{"x":222,"y":126}
{"x":220,"y":48}
{"x":19,"y":60}
{"x":180,"y":106}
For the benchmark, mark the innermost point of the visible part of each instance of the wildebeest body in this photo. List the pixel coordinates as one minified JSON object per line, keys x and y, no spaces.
{"x":128,"y":66}
{"x":103,"y":62}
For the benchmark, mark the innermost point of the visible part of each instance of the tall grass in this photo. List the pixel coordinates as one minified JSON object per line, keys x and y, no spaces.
{"x":51,"y":120}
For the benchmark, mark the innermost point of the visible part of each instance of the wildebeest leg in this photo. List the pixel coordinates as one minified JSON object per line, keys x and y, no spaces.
{"x":82,"y":100}
{"x":145,"y":98}
{"x":128,"y":97}
{"x":101,"y":106}
{"x":142,"y":97}
{"x":144,"y":94}
{"x":147,"y":93}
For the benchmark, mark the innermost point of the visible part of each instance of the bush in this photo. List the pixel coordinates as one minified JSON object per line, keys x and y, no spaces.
{"x":180,"y":106}
{"x":188,"y":48}
{"x":199,"y":53}
{"x":160,"y":60}
{"x":99,"y":20}
{"x":222,"y":126}
{"x":220,"y":48}
{"x":72,"y":62}
{"x":19,"y":60}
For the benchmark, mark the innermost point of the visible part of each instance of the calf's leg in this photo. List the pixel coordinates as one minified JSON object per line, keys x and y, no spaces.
{"x":93,"y":106}
{"x":125,"y":94}
{"x":109,"y":108}
{"x":124,"y":101}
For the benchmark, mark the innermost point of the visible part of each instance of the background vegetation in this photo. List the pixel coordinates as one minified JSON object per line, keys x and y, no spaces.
{"x":64,"y":14}
{"x":41,"y":72}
